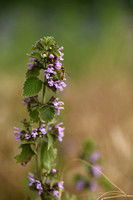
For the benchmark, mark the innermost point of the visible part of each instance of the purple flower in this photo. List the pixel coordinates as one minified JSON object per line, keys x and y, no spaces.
{"x":51,"y":56}
{"x":27,"y":136}
{"x":58,"y":105}
{"x":60,"y":184}
{"x":17,"y":133}
{"x":60,"y":131}
{"x":42,"y":129}
{"x":60,"y":84}
{"x":80,"y":185}
{"x":50,"y":82}
{"x":61,"y":54}
{"x":31,"y":65}
{"x":31,"y":178}
{"x":58,"y":64}
{"x":32,"y":59}
{"x":34,"y":133}
{"x":26,"y":100}
{"x":93,"y":185}
{"x":35,"y":182}
{"x":94,"y":156}
{"x":39,"y":187}
{"x":96,"y":170}
{"x":53,"y":171}
{"x":56,"y":193}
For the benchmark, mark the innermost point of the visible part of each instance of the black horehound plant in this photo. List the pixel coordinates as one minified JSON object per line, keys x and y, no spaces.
{"x":39,"y":133}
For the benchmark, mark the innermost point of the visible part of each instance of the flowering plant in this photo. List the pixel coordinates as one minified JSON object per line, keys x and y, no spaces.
{"x":39,"y":133}
{"x":92,"y":177}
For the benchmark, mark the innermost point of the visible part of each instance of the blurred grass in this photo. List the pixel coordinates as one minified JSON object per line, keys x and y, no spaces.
{"x":97,"y":36}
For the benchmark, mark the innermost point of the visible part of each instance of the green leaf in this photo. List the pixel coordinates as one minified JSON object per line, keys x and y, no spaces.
{"x":33,"y":72}
{"x":36,"y":55}
{"x":105,"y":183}
{"x":67,"y":197}
{"x":47,"y":157}
{"x":26,"y":154}
{"x":34,"y":116}
{"x":56,"y":53}
{"x":47,"y":113}
{"x":50,"y":140}
{"x":32,"y":86}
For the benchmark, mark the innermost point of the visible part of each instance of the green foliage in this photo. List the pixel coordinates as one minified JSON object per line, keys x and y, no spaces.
{"x":47,"y":113}
{"x":67,"y":197}
{"x":56,"y":53}
{"x":50,"y":140}
{"x":47,"y":156}
{"x":32,"y":86}
{"x":35,"y":55}
{"x":34,"y":116}
{"x":26,"y":154}
{"x":33,"y":72}
{"x":105,"y":183}
{"x":88,"y":147}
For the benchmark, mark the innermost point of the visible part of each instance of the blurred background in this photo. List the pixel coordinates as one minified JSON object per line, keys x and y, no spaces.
{"x":98,"y":45}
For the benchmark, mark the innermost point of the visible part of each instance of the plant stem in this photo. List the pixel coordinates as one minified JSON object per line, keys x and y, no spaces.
{"x":42,"y":101}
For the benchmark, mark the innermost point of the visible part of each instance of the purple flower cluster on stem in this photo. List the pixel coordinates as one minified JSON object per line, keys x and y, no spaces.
{"x":36,"y":183}
{"x":17,"y":133}
{"x":60,"y":131}
{"x":51,"y":71}
{"x":58,"y":105}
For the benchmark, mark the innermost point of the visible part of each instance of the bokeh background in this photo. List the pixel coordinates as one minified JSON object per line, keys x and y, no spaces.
{"x":98,"y":44}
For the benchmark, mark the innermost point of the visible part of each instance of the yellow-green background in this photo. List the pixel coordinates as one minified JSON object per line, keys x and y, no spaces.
{"x":97,"y":36}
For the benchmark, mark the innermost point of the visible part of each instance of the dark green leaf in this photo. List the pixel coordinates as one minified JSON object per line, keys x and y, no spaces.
{"x":47,"y":113}
{"x":33,"y":72}
{"x":26,"y":154}
{"x":47,"y":157}
{"x":32,"y":86}
{"x":34,"y":116}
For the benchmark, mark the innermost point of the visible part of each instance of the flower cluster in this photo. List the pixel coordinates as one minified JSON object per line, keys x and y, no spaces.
{"x":58,"y":105}
{"x":60,"y":131}
{"x":92,"y":156}
{"x":59,"y":186}
{"x":35,"y":183}
{"x":52,"y":71}
{"x":27,"y":134}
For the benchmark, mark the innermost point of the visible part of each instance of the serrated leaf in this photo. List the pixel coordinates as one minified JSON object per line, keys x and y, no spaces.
{"x":34,"y":116}
{"x":32,"y":86}
{"x":56,"y":53}
{"x":47,"y":157}
{"x":26,"y":154}
{"x":33,"y":72}
{"x":47,"y":113}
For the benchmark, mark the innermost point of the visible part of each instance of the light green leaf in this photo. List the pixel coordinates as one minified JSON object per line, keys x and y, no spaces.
{"x":47,"y":157}
{"x":26,"y":154}
{"x":56,"y":53}
{"x":32,"y":86}
{"x":47,"y":113}
{"x":50,"y":140}
{"x":33,"y":72}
